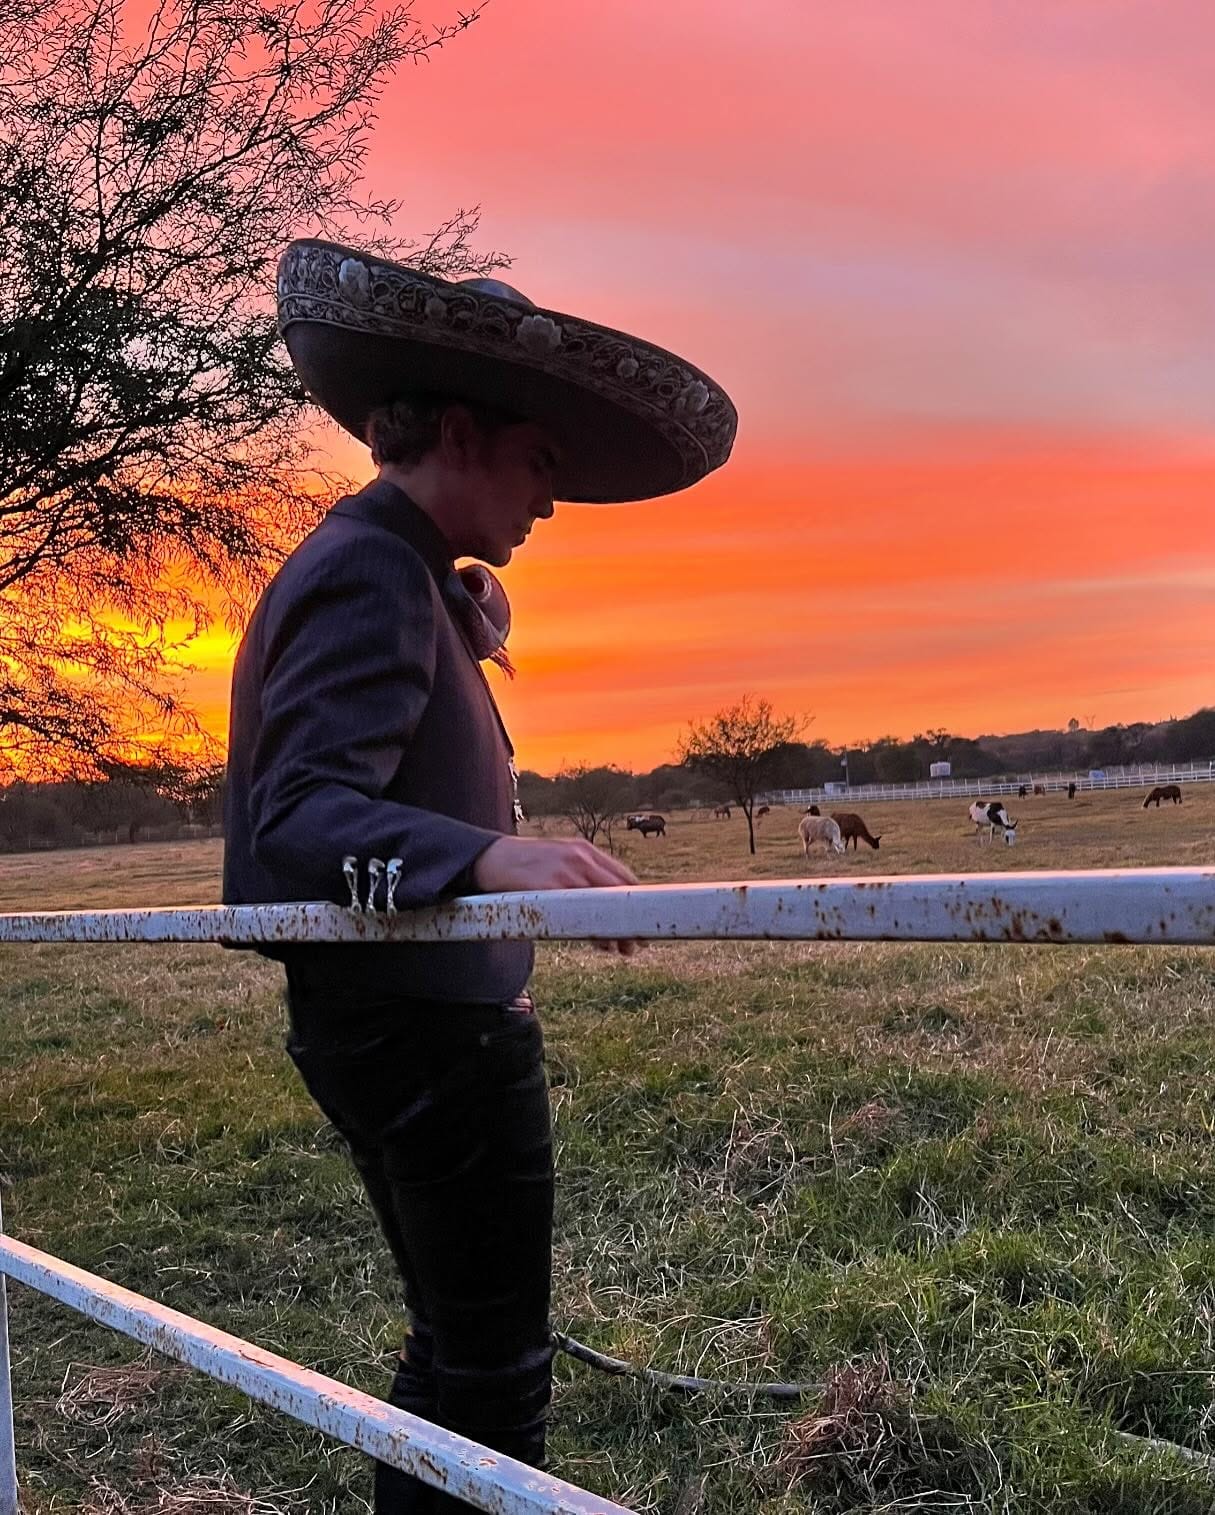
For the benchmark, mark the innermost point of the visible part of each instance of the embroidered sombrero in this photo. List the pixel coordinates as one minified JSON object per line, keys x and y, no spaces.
{"x":633,"y":421}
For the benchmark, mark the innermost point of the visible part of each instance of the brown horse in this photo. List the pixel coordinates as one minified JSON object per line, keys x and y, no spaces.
{"x":1164,"y":792}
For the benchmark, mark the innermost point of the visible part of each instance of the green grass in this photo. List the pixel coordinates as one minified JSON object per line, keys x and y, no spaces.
{"x":970,"y":1189}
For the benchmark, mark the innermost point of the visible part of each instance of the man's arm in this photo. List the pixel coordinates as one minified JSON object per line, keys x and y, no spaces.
{"x":348,"y":675}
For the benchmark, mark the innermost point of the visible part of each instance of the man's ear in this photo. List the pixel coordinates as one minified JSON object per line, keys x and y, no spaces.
{"x":459,"y":437}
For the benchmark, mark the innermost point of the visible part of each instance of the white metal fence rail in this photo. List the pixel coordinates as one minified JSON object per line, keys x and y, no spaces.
{"x":1159,"y":906}
{"x":463,"y":1468}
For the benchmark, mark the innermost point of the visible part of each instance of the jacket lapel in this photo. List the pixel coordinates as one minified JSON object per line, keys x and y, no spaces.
{"x":382,"y":504}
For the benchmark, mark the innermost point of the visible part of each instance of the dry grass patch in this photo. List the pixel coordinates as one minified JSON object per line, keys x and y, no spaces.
{"x":196,"y":1497}
{"x":852,"y":1420}
{"x":98,"y":1397}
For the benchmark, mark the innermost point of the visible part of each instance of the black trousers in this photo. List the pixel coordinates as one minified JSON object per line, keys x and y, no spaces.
{"x":445,"y":1111}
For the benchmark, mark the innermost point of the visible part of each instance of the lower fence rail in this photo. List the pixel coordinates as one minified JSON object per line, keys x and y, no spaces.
{"x":8,"y":1441}
{"x":484,"y":1479}
{"x":1152,"y":906}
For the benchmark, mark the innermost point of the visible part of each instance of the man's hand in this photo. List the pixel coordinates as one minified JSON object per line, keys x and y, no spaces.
{"x":518,"y":862}
{"x":514,"y":863}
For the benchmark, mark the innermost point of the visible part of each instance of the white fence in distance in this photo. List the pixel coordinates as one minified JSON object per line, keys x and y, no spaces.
{"x":1156,"y":906}
{"x":1145,"y":776}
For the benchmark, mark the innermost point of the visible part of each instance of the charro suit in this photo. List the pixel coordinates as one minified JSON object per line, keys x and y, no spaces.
{"x":362,"y":724}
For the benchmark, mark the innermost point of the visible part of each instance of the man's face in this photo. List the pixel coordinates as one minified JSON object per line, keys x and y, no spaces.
{"x":508,"y":485}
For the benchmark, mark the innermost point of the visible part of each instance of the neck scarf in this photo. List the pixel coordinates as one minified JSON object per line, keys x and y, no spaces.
{"x":482,"y":609}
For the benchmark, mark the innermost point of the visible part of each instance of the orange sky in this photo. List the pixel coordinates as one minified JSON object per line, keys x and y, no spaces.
{"x":955,"y":275}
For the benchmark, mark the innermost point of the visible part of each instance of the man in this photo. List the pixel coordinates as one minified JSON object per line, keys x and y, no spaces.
{"x":362,"y":726}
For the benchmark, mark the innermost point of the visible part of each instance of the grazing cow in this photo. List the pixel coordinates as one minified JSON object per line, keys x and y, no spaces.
{"x":819,"y":828}
{"x":763,"y":810}
{"x":1022,"y":792}
{"x":1039,"y":788}
{"x":1071,"y":790}
{"x":813,"y":810}
{"x":852,"y":827}
{"x":647,"y":825}
{"x":993,"y":817}
{"x":1164,"y":792}
{"x":721,"y":812}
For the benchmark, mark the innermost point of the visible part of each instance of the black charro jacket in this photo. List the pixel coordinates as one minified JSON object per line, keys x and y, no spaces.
{"x":362,"y":723}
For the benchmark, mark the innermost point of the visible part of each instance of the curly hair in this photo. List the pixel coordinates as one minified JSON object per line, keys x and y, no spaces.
{"x":405,"y":431}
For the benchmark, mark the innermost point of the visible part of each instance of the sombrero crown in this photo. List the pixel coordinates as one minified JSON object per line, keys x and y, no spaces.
{"x":632,"y":420}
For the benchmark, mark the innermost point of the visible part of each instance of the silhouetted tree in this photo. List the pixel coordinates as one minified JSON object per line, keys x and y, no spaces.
{"x":897,"y":762}
{"x":802,"y":765}
{"x":124,"y":797}
{"x":1193,"y":738}
{"x":673,"y":779}
{"x":195,"y":790}
{"x":154,"y":454}
{"x":537,"y":794}
{"x":969,"y":760}
{"x":737,"y":747}
{"x":32,"y":815}
{"x":1118,"y":744}
{"x":592,"y":798}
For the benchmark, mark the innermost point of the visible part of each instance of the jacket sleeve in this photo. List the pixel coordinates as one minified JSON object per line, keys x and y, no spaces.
{"x":348,"y":672}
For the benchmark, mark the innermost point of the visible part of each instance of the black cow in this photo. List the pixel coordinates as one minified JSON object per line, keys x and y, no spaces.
{"x":648,"y":825}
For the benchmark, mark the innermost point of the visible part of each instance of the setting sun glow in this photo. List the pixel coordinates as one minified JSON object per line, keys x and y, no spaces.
{"x":955,"y":275}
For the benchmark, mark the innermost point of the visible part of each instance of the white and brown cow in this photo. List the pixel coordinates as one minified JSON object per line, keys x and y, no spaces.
{"x":992,"y":817}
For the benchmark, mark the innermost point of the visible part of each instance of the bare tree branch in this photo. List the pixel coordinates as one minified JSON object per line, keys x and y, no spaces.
{"x":593,"y":798}
{"x":151,"y":172}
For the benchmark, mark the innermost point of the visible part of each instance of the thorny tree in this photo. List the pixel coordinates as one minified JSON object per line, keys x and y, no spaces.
{"x":592,"y":799}
{"x":154,"y":456}
{"x":737,"y":747}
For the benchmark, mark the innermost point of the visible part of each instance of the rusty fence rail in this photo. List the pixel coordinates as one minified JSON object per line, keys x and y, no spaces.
{"x":1153,"y":906}
{"x":487,"y":1480}
{"x":1148,"y":905}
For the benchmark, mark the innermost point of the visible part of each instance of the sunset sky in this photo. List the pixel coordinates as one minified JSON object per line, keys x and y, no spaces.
{"x":952,"y":261}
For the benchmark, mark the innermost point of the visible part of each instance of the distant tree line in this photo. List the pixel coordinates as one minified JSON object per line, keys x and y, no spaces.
{"x":127,"y":803}
{"x":1191,"y":739}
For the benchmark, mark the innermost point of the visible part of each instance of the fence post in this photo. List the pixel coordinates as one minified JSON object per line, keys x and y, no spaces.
{"x":8,"y":1444}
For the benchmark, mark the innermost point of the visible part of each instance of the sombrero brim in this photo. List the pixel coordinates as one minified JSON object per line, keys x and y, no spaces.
{"x":632,"y":420}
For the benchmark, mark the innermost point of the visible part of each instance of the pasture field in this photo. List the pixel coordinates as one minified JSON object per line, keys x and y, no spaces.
{"x":969,"y":1188}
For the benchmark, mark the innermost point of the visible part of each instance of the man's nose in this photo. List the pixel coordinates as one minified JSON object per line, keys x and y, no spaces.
{"x":545,"y":510}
